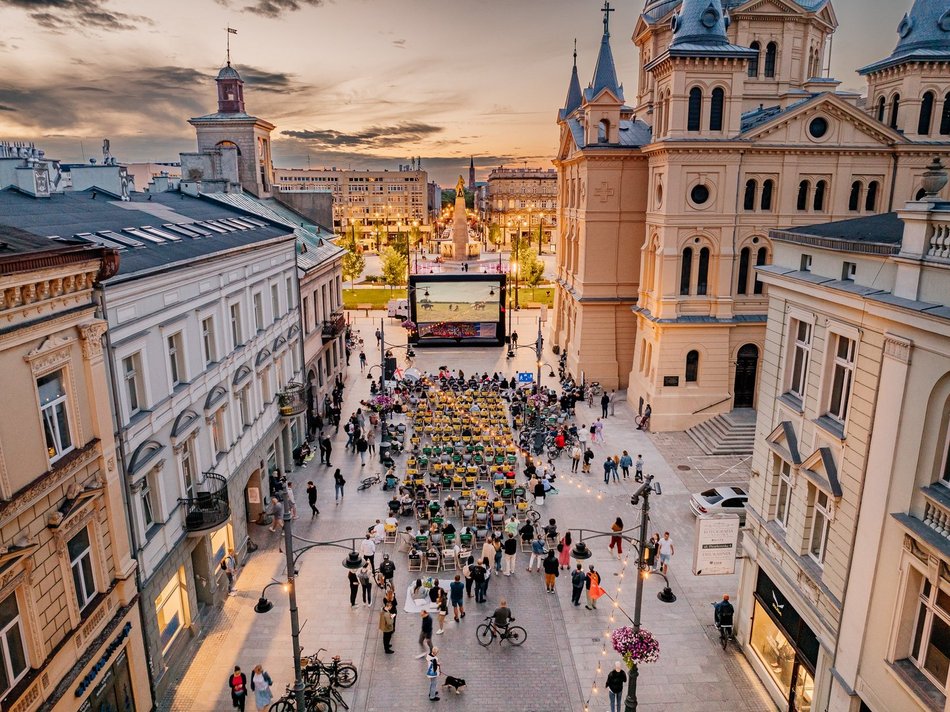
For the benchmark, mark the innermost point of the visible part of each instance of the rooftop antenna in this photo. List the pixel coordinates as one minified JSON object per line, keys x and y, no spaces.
{"x":231,"y":31}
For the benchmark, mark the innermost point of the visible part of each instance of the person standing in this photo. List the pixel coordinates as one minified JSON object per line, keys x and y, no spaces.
{"x":480,"y":577}
{"x":238,"y":684}
{"x":312,"y":498}
{"x":368,"y":551}
{"x":366,"y":583}
{"x":604,"y":403}
{"x":362,"y":360}
{"x":588,"y":457}
{"x":655,"y":547}
{"x":599,"y":427}
{"x":593,"y":588}
{"x":616,"y":539}
{"x":321,"y":448}
{"x":433,"y":670}
{"x":425,"y":633}
{"x":638,"y":469}
{"x":575,"y":458}
{"x":456,"y":591}
{"x":625,"y":462}
{"x":564,"y":551}
{"x":537,"y":552}
{"x":666,"y":552}
{"x":261,"y":683}
{"x":291,"y":500}
{"x":616,"y":679}
{"x":550,"y":566}
{"x":354,"y":587}
{"x":387,"y":624}
{"x":514,"y":339}
{"x":229,"y":564}
{"x":371,"y":439}
{"x":467,"y":573}
{"x":608,"y":467}
{"x":510,"y":548}
{"x":327,"y":447}
{"x":578,"y":581}
{"x":338,"y":483}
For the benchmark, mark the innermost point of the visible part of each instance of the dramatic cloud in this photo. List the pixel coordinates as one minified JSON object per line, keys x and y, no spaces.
{"x":59,"y":15}
{"x":372,"y":138}
{"x":401,"y":44}
{"x":276,"y":8}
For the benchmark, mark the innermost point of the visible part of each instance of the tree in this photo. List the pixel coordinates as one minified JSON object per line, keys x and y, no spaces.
{"x":496,"y":235}
{"x":400,"y":243}
{"x":394,"y":267}
{"x":529,"y":266}
{"x":353,"y":261}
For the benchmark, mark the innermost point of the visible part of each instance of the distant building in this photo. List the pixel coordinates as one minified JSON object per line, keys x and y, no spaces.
{"x":145,"y":173}
{"x":522,"y":202}
{"x":71,"y":636}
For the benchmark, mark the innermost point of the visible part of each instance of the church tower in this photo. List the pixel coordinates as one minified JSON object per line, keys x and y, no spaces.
{"x":231,"y":128}
{"x":471,"y":174}
{"x":910,"y":90}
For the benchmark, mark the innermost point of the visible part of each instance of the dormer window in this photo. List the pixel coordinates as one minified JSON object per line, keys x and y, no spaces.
{"x":603,"y":131}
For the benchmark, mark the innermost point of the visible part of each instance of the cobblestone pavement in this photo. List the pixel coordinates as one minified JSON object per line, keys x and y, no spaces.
{"x":556,"y":668}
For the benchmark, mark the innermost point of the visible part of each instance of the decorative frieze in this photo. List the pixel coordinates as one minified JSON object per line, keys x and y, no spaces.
{"x":91,"y":335}
{"x":897,"y":348}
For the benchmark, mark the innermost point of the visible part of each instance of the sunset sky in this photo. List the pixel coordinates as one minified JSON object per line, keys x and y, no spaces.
{"x":349,"y":83}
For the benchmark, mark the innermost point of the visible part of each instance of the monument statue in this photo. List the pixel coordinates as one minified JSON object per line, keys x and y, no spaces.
{"x":460,"y":188}
{"x":460,"y":224}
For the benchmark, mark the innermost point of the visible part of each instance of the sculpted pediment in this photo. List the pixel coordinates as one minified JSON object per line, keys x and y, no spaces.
{"x":769,"y":7}
{"x":846,"y":126}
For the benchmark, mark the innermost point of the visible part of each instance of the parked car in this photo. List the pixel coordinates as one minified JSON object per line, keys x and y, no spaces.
{"x":720,"y":500}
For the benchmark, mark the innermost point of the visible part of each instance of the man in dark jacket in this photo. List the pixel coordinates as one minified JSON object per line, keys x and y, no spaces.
{"x":551,"y":569}
{"x":312,"y":498}
{"x":578,"y":582}
{"x":604,"y":402}
{"x":616,"y":679}
{"x":327,"y":447}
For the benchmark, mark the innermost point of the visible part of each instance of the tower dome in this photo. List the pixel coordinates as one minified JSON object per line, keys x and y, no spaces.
{"x":926,"y":26}
{"x":230,"y":91}
{"x":228,"y":72}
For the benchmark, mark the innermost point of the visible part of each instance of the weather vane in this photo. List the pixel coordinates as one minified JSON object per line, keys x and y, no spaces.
{"x":231,"y":31}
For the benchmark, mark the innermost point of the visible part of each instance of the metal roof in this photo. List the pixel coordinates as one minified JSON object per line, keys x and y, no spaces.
{"x":605,"y":73}
{"x":883,"y":229}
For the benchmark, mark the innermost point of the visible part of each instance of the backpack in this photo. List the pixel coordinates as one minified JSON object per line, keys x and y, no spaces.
{"x":224,"y":564}
{"x":593,"y":429}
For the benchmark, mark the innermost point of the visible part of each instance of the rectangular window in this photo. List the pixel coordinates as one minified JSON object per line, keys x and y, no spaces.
{"x":806,"y":263}
{"x":80,"y":561}
{"x":930,"y":648}
{"x":217,"y":432}
{"x":176,"y":359}
{"x":801,"y":351}
{"x":290,"y":292}
{"x":13,"y":664}
{"x":170,"y":611}
{"x":306,"y":315}
{"x":236,"y":338}
{"x":945,"y":468}
{"x":267,"y":393}
{"x":131,"y":374}
{"x":148,"y":505}
{"x":187,"y":461}
{"x":54,"y":412}
{"x":848,"y":271}
{"x":207,"y":340}
{"x":245,"y":406}
{"x":274,"y":302}
{"x":258,"y":311}
{"x":842,"y":374}
{"x":783,"y":503}
{"x":820,"y":519}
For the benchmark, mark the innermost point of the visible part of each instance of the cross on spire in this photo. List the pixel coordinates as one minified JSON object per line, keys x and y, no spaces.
{"x":606,"y":9}
{"x":575,"y":52}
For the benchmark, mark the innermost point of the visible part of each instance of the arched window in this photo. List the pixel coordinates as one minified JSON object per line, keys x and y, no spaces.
{"x":854,"y":201}
{"x":748,"y":201}
{"x":692,"y":366}
{"x":659,"y":118}
{"x":754,"y":61}
{"x":895,"y":110}
{"x":695,"y":111}
{"x":716,"y":108}
{"x":760,"y":259}
{"x":870,"y":202}
{"x":881,"y":104}
{"x":702,"y":282}
{"x":603,"y":131}
{"x":743,"y":281}
{"x":820,"y":188}
{"x":945,"y":117}
{"x":686,"y":270}
{"x":926,"y":114}
{"x":771,"y":50}
{"x":804,"y":188}
{"x":767,"y":189}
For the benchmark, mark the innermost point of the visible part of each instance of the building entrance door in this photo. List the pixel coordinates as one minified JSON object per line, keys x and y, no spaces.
{"x":744,"y":390}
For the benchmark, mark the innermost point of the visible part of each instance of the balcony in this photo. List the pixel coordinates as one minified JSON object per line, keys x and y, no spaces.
{"x":291,"y":400}
{"x":209,"y":508}
{"x":334,"y":326}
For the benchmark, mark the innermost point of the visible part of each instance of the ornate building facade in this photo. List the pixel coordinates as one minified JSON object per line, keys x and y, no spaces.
{"x":523,"y":201}
{"x":665,"y":208}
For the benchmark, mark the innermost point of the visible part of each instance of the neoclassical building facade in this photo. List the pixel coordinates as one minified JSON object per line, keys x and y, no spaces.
{"x":665,"y":207}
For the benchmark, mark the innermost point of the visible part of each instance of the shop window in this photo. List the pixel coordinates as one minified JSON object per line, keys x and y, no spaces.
{"x":13,"y":665}
{"x":773,"y":649}
{"x":54,"y":412}
{"x":170,"y":610}
{"x":80,"y":561}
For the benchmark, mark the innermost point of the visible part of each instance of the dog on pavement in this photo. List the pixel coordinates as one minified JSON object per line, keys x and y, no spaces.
{"x":456,"y":683}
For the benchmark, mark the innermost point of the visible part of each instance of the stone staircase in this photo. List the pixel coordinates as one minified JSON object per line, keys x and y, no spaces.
{"x":726,"y":434}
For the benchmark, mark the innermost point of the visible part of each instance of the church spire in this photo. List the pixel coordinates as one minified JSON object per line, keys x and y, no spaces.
{"x":573,"y":88}
{"x":700,"y":22}
{"x":605,"y":73}
{"x":924,"y":34}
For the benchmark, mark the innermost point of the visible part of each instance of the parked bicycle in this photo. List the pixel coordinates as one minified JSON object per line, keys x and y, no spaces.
{"x":312,"y":702}
{"x":341,"y":673}
{"x":487,"y":632}
{"x":368,"y":482}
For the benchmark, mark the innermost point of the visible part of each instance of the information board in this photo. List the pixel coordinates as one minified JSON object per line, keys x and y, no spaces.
{"x":525,"y":377}
{"x":714,"y":551}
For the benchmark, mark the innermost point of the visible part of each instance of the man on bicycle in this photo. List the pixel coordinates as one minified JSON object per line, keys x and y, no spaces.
{"x":723,"y":612}
{"x":501,"y":618}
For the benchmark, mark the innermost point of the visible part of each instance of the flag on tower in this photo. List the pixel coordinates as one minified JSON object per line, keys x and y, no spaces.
{"x":232,"y":31}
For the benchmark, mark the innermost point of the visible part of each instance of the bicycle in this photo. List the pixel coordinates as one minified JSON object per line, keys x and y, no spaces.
{"x":339,"y":673}
{"x":642,"y":422}
{"x":330,"y":696}
{"x":312,"y":703}
{"x":368,"y":482}
{"x":486,"y":634}
{"x":725,"y":631}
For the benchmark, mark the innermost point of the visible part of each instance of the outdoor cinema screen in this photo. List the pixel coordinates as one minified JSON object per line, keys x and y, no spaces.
{"x":458,"y":308}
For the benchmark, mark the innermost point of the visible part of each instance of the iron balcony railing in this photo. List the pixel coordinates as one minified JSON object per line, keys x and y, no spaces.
{"x":334,"y":326}
{"x":209,"y":508}
{"x":291,"y":400}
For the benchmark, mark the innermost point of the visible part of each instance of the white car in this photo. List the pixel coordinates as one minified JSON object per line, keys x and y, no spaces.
{"x":720,"y":500}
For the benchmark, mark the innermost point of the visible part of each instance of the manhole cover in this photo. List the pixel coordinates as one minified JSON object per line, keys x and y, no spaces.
{"x":683,"y":467}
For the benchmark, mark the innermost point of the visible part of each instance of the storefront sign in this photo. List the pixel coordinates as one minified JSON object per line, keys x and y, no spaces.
{"x":106,"y":654}
{"x":254,"y":495}
{"x":714,"y":551}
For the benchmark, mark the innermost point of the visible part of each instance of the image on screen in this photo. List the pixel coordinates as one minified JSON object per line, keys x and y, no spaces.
{"x":457,"y":302}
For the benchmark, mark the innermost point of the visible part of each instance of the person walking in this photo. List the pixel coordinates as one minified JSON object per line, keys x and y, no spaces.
{"x":327,"y":447}
{"x":238,"y":684}
{"x":550,"y":566}
{"x":362,"y":360}
{"x":433,"y":670}
{"x":456,"y":591}
{"x":594,"y":591}
{"x":261,"y":683}
{"x":387,"y":625}
{"x":388,"y":570}
{"x":371,"y":440}
{"x":616,"y":539}
{"x":604,"y":403}
{"x":368,"y":551}
{"x":480,"y":573}
{"x":354,"y":587}
{"x":588,"y":458}
{"x":638,"y":469}
{"x":655,"y":547}
{"x":599,"y":426}
{"x":616,"y":679}
{"x":229,"y":565}
{"x":312,"y":498}
{"x":537,"y":552}
{"x":575,"y":458}
{"x":666,"y":552}
{"x":467,"y":573}
{"x":425,"y":633}
{"x":361,"y":447}
{"x":564,"y":551}
{"x":366,"y":583}
{"x":291,"y":497}
{"x":442,"y":609}
{"x":338,"y":483}
{"x":625,"y":462}
{"x":608,"y":467}
{"x":510,"y":548}
{"x":578,"y":581}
